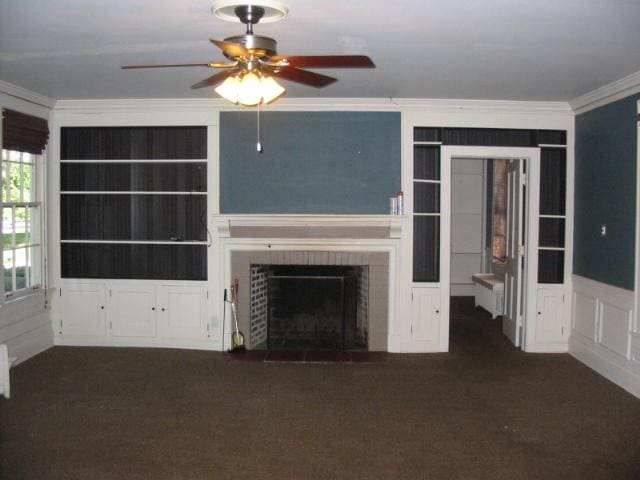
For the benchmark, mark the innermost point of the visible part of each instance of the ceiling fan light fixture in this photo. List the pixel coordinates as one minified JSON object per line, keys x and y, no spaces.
{"x":270,"y":89}
{"x":250,"y":92}
{"x":229,"y":89}
{"x":249,"y":89}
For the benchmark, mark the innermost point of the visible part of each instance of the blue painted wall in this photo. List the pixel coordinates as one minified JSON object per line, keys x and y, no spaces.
{"x":605,"y":182}
{"x":313,"y":162}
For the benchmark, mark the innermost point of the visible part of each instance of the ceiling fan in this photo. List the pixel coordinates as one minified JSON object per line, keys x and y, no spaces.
{"x":253,"y":60}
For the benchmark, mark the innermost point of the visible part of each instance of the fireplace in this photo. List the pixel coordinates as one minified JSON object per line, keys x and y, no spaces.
{"x":309,"y":307}
{"x":329,"y":285}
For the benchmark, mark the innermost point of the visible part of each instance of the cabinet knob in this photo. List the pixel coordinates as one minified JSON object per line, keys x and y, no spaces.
{"x":437,"y":311}
{"x":153,"y":308}
{"x":162,"y":309}
{"x":101,"y":307}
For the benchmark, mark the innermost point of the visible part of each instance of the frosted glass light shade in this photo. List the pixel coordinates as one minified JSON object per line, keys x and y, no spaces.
{"x":250,"y":90}
{"x":270,"y":89}
{"x":229,"y":89}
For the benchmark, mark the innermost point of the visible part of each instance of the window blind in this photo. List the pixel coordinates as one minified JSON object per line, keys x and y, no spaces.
{"x":24,"y":133}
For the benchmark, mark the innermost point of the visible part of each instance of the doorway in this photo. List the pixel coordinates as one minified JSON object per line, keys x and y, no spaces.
{"x":476,"y":233}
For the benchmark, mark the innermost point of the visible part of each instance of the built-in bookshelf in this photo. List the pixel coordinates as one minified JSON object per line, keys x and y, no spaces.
{"x":133,"y":202}
{"x":427,"y":142}
{"x":551,"y":243}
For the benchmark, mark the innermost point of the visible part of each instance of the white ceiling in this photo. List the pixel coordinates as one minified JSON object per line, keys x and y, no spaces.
{"x":491,"y":49}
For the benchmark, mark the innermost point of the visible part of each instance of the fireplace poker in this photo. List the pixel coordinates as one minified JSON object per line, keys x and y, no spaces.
{"x":224,"y":309}
{"x":237,"y":338}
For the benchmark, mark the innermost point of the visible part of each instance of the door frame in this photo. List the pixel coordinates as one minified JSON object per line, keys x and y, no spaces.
{"x":531,"y":156}
{"x":635,"y":327}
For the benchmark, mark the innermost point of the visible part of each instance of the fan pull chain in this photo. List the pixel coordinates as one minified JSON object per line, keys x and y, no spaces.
{"x":259,"y":145}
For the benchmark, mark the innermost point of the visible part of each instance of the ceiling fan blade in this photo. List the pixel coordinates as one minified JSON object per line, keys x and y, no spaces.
{"x":215,"y":79}
{"x":326,"y":61}
{"x":127,"y":67}
{"x":230,"y":49}
{"x":302,"y":76}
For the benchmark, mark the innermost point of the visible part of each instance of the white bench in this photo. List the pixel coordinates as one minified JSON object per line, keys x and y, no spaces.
{"x":489,"y":292}
{"x":5,"y":365}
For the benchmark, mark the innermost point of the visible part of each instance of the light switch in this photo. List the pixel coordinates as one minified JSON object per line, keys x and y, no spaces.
{"x":603,"y":230}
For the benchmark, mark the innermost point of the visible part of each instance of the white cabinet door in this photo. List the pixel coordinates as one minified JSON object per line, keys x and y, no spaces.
{"x":550,"y":316}
{"x":132,"y":311}
{"x":425,"y":324}
{"x":182,"y":311}
{"x":82,"y":310}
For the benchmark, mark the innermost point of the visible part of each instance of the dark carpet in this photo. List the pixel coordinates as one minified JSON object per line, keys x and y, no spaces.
{"x":484,"y":411}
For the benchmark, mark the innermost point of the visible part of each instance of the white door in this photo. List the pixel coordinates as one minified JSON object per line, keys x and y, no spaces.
{"x":514,"y":270}
{"x":132,"y":311}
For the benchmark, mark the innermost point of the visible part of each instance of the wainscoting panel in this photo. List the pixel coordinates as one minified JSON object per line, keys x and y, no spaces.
{"x":584,"y":315}
{"x":614,"y":328}
{"x":25,"y":326}
{"x":601,"y":335}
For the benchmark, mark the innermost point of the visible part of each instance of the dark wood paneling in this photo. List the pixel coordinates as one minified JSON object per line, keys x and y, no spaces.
{"x":552,"y":137}
{"x":551,"y":232}
{"x":426,"y":249}
{"x":553,"y":179}
{"x":159,"y":177}
{"x":133,"y":143}
{"x":133,"y":217}
{"x":426,"y":162}
{"x":427,"y":134}
{"x":145,"y":262}
{"x":426,"y":197}
{"x":503,"y":137}
{"x":550,"y":266}
{"x":496,"y":137}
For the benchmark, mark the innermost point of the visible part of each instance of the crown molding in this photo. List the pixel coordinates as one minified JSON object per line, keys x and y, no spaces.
{"x":483,"y":106}
{"x":320,"y":104}
{"x":26,"y":95}
{"x":608,"y":93}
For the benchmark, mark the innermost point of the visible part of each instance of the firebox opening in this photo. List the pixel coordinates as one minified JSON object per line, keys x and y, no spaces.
{"x":309,"y":307}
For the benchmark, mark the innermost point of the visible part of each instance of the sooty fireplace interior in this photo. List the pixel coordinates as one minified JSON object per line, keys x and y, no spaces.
{"x":302,"y":307}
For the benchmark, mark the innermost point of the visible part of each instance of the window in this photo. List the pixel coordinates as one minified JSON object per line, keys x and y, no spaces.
{"x":499,"y":212}
{"x":21,"y":223}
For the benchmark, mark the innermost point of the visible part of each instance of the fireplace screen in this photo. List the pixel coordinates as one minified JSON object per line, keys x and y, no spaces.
{"x":304,"y":307}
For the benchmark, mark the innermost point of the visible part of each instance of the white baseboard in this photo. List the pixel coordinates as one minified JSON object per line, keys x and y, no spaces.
{"x":190,"y":344}
{"x":403,"y":345}
{"x":620,"y":373}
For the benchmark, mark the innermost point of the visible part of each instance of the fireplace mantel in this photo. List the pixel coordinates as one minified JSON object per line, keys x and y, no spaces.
{"x":310,"y":226}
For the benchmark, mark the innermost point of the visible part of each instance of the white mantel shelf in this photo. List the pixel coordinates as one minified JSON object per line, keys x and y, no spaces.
{"x":224,"y":223}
